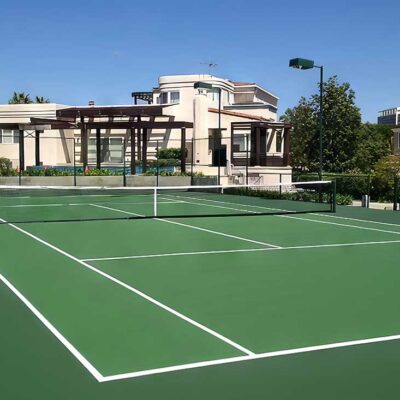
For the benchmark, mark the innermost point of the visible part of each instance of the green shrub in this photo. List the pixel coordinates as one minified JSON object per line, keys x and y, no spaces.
{"x":169,"y":154}
{"x":344,"y":200}
{"x":6,"y":168}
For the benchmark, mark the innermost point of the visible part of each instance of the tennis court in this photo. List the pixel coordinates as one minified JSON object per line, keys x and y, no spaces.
{"x":137,"y":295}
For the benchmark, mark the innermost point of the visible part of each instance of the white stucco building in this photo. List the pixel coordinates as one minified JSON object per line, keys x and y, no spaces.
{"x":215,"y":120}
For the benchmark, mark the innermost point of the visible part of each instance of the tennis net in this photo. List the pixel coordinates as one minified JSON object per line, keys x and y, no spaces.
{"x":21,"y":204}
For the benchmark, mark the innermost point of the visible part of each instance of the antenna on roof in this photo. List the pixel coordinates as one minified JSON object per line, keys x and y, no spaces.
{"x":210,"y":66}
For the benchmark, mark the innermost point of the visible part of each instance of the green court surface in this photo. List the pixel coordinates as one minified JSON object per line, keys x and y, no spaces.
{"x":301,"y":306}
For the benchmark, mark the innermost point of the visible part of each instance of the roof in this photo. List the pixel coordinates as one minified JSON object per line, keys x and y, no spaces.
{"x":237,"y":114}
{"x":243,"y":83}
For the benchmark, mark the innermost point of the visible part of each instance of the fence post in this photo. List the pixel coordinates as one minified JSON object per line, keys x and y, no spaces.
{"x":157,"y":166}
{"x":333,"y":206}
{"x":247,"y":159}
{"x":396,"y":193}
{"x":74,"y":155}
{"x":191,"y":163}
{"x":124,"y":163}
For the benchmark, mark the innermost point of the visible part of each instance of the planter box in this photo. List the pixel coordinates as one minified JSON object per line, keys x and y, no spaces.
{"x":47,"y":181}
{"x":109,"y":181}
{"x":9,"y":180}
{"x":174,"y":180}
{"x":139,"y":180}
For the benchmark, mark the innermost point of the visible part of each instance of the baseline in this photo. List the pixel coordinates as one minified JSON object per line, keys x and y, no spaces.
{"x":251,"y":357}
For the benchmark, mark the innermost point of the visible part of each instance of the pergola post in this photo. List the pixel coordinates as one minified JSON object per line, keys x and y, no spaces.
{"x":84,"y":144}
{"x":133,"y":151}
{"x":37,"y":148}
{"x":258,"y":145}
{"x":144,"y":150}
{"x":183,"y":149}
{"x":21,"y":150}
{"x":98,"y":148}
{"x":286,"y":146}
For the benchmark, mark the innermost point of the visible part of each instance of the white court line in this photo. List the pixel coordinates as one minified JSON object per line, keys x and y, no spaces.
{"x":196,"y":253}
{"x":190,"y":226}
{"x":251,"y":357}
{"x":337,"y":224}
{"x":169,"y":201}
{"x":279,"y":209}
{"x":358,"y":220}
{"x":136,"y":291}
{"x":229,"y":202}
{"x":97,"y":375}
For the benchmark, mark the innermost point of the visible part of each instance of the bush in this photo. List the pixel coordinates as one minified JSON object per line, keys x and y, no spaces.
{"x":169,"y":154}
{"x":6,"y":168}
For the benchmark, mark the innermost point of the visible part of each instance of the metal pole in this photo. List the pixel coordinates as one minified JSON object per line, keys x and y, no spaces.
{"x":157,"y":166}
{"x":74,"y":162}
{"x":219,"y":110}
{"x":321,"y":93}
{"x":191,"y":163}
{"x":396,"y":192}
{"x":247,"y":159}
{"x":333,"y":206}
{"x":124,"y":163}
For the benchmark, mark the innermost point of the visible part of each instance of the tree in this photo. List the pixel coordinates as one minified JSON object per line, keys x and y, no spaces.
{"x":374,"y":142}
{"x":341,"y":122}
{"x":20,"y":98}
{"x":386,"y":171}
{"x":41,"y":100}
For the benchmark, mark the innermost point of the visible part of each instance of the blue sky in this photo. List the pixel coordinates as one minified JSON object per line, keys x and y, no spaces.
{"x":76,"y":51}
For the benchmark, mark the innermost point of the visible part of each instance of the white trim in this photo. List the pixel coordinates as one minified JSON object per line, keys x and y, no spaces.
{"x":358,"y":220}
{"x":337,"y":224}
{"x":251,"y":357}
{"x":196,"y":253}
{"x":96,"y":374}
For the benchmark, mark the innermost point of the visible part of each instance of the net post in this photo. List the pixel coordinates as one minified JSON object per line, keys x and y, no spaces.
{"x":396,"y":192}
{"x":333,"y":205}
{"x":280,"y":185}
{"x":155,"y":202}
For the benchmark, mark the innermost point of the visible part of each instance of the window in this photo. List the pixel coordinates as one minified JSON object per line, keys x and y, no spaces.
{"x":239,"y":143}
{"x":164,"y":98}
{"x":213,"y":94}
{"x":9,"y":136}
{"x":174,"y":97}
{"x":168,"y":98}
{"x":279,"y":142}
{"x":111,"y":150}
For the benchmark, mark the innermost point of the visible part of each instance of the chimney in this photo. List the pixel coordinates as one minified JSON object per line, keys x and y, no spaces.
{"x":91,"y":103}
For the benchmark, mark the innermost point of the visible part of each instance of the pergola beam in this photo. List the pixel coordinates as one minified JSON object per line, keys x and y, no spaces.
{"x":118,"y":111}
{"x":138,"y":125}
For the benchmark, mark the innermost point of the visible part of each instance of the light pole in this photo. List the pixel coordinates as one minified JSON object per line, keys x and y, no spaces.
{"x":302,"y":63}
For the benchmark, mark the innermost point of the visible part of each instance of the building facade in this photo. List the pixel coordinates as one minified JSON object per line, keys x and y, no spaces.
{"x":229,"y":127}
{"x":391,"y":116}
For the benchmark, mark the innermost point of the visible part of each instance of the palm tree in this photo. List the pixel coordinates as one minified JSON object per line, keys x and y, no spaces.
{"x":41,"y":99}
{"x":20,"y":98}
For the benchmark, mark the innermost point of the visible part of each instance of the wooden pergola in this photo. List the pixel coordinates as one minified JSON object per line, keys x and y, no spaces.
{"x":260,"y":141}
{"x":137,"y":120}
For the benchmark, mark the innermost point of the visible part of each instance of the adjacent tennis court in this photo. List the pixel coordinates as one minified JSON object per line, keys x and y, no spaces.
{"x":259,"y":296}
